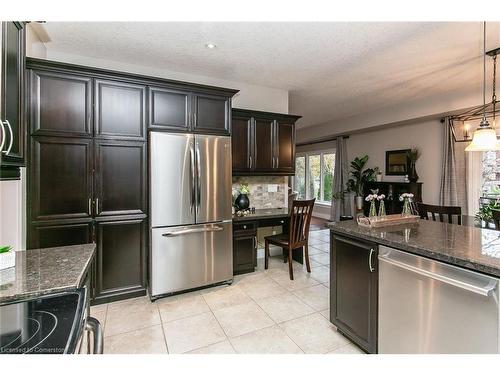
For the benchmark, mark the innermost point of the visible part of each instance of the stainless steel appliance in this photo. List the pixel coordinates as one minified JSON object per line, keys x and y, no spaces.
{"x":427,"y":306}
{"x":191,"y":219}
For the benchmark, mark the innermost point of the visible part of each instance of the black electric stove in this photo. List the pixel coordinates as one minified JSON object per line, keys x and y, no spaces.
{"x":48,"y":325}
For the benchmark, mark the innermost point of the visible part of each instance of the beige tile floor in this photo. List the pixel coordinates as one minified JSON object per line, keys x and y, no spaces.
{"x":261,"y":312}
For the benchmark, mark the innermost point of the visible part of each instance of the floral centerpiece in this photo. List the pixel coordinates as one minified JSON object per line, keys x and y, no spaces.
{"x":406,"y":199}
{"x":381,"y":207}
{"x":373,"y":209}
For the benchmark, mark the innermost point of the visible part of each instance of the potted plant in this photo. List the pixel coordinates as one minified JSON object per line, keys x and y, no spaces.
{"x":7,"y":257}
{"x":413,"y":155}
{"x":485,"y":214}
{"x":359,"y":177}
{"x":242,"y":202}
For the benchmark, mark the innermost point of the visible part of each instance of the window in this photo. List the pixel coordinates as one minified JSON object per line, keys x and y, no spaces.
{"x":314,"y":175}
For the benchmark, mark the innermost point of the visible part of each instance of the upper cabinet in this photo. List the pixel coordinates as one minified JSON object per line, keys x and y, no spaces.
{"x":187,"y":111}
{"x":263,"y":143}
{"x":12,"y":127}
{"x":120,"y":110}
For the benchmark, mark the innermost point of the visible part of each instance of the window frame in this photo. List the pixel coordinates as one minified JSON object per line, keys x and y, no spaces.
{"x":306,"y":156}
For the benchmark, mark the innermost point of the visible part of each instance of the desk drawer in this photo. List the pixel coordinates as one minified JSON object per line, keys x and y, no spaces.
{"x":245,"y":226}
{"x":274,"y":222}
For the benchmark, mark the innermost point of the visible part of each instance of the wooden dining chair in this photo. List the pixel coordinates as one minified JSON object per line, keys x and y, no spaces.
{"x":429,"y":209}
{"x":495,"y":214}
{"x":297,"y":236}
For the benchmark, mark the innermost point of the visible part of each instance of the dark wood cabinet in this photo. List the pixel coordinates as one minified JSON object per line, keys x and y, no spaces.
{"x":263,"y":143}
{"x":63,"y":234}
{"x":120,"y":110}
{"x":120,"y":177}
{"x":211,"y":114}
{"x":60,"y":183}
{"x":121,"y":259}
{"x":169,"y":109}
{"x":244,"y":247}
{"x":392,"y":191}
{"x":60,"y":104}
{"x":12,"y":129}
{"x":354,"y":290}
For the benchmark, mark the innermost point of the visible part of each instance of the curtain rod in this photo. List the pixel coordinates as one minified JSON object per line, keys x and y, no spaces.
{"x":321,"y":140}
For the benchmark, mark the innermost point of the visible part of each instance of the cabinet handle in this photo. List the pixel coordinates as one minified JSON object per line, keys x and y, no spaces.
{"x":370,"y":260}
{"x":97,"y":206}
{"x":90,"y":207}
{"x":7,"y":152}
{"x":244,"y":227}
{"x":250,"y":162}
{"x":3,"y":135}
{"x":194,"y":119}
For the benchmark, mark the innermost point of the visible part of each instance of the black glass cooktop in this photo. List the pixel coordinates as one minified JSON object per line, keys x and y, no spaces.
{"x":48,"y":325}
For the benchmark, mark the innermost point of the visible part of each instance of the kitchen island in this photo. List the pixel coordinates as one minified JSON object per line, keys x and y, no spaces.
{"x":429,"y":287}
{"x":44,"y":302}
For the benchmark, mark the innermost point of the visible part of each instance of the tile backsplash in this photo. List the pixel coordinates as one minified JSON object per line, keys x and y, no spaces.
{"x":262,"y":194}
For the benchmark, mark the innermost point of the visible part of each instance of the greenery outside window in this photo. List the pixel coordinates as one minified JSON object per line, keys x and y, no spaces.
{"x":314,"y":175}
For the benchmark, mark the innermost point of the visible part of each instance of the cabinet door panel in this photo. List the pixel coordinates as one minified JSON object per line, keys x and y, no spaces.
{"x":264,"y":140}
{"x":12,"y":90}
{"x":212,"y":114}
{"x":354,"y":292}
{"x":53,"y":235}
{"x":241,"y":141}
{"x":61,"y":178}
{"x":120,"y":177}
{"x":168,"y":109}
{"x":285,"y":147}
{"x":120,"y":257}
{"x":120,"y":110}
{"x":244,"y":254}
{"x":60,"y":104}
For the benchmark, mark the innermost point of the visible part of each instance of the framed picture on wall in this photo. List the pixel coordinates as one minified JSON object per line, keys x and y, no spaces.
{"x":397,"y":162}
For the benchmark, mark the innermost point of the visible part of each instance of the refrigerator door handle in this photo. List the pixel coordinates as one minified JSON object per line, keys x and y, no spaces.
{"x":4,"y":135}
{"x":193,"y":178}
{"x":215,"y":228}
{"x":198,"y":179}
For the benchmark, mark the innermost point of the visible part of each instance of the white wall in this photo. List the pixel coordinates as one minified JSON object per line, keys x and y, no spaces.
{"x":250,"y":96}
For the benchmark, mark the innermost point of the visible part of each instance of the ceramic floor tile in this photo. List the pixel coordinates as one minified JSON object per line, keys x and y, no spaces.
{"x":300,"y":280}
{"x":262,"y":288}
{"x":317,"y":297}
{"x":131,"y":315}
{"x":226,"y":297}
{"x":324,"y":258}
{"x":327,"y":284}
{"x":325,"y":246}
{"x":347,"y":349}
{"x":326,"y":314}
{"x":191,"y":333}
{"x":270,"y":340}
{"x":148,"y":340}
{"x":223,"y":347}
{"x":181,"y":308}
{"x":284,"y":307}
{"x":241,"y":319}
{"x":313,"y":251}
{"x":316,"y":242}
{"x":322,"y":274}
{"x":314,"y":334}
{"x":99,"y":312}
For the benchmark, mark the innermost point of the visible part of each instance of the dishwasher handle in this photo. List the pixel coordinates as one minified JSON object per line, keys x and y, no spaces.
{"x":92,"y":325}
{"x":484,"y":291}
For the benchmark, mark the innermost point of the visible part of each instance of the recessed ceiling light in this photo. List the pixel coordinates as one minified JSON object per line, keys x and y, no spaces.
{"x":210,"y":45}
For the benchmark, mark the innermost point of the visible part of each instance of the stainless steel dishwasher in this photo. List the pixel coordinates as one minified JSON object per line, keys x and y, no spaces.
{"x":427,"y":306}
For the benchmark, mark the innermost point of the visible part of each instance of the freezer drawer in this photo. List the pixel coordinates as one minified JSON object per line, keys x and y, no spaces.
{"x":191,"y":256}
{"x":427,"y":306}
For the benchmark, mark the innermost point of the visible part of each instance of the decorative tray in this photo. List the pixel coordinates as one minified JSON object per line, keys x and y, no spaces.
{"x":388,"y":220}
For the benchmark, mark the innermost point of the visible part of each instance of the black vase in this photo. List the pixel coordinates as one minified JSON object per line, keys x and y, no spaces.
{"x":242,"y":202}
{"x":412,"y":175}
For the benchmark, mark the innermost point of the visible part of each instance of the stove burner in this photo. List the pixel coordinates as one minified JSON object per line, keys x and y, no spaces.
{"x":37,"y":326}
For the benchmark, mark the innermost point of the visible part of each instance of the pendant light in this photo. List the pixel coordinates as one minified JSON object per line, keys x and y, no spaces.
{"x":485,"y":137}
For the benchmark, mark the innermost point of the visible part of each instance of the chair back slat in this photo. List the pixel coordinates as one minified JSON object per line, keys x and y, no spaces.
{"x":300,"y":219}
{"x":450,"y":211}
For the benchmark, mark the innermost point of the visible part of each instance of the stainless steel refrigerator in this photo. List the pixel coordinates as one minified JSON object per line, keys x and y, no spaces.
{"x":191,"y":226}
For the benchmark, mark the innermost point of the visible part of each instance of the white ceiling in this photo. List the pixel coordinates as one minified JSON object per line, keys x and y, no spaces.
{"x":332,"y":70}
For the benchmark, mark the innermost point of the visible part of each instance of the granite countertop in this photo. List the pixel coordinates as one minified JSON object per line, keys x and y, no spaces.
{"x":464,"y":246}
{"x":46,"y":271}
{"x":264,"y":213}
